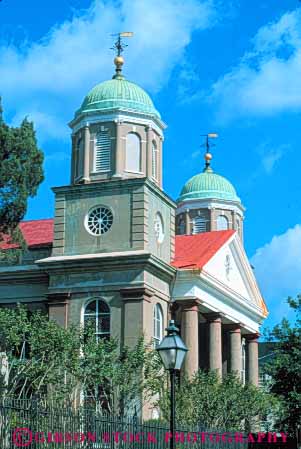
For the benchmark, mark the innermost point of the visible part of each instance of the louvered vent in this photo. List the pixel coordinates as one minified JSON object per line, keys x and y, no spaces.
{"x":103,"y":152}
{"x":199,"y":225}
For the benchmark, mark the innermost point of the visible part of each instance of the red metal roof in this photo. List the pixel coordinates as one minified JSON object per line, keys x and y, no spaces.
{"x":36,"y":233}
{"x":194,"y":251}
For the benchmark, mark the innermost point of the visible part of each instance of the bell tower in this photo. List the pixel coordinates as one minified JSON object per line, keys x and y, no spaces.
{"x":115,"y":201}
{"x":117,"y":133}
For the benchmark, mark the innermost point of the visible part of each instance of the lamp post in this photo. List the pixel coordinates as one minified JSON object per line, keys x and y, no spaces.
{"x":172,"y":351}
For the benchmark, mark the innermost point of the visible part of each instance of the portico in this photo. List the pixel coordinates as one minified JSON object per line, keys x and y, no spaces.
{"x":218,"y":321}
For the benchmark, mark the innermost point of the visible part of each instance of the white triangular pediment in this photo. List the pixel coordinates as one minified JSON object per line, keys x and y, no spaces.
{"x":230,"y":269}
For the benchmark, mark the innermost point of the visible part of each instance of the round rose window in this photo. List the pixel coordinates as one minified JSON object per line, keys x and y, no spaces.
{"x":99,"y":220}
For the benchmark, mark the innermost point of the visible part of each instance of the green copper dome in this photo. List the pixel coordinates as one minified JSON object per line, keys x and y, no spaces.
{"x":118,"y":93}
{"x":208,"y":185}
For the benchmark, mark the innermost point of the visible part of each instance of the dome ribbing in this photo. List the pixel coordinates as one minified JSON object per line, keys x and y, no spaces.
{"x":208,"y":185}
{"x":118,"y":93}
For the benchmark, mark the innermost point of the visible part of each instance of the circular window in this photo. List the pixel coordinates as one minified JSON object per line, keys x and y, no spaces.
{"x":99,"y":220}
{"x":159,"y":228}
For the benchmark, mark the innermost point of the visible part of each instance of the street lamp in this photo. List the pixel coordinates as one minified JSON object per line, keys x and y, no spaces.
{"x":172,"y":351}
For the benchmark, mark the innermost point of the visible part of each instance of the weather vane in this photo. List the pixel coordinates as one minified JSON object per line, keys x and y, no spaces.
{"x":208,"y":145}
{"x":119,"y":47}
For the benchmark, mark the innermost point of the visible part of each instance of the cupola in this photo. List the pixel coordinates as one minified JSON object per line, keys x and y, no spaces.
{"x":117,"y":133}
{"x":208,"y":202}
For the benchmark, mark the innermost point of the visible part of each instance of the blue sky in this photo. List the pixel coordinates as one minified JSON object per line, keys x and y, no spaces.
{"x":232,"y":67}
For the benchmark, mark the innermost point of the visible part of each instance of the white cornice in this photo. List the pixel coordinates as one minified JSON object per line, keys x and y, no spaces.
{"x":210,"y":204}
{"x":247,"y":270}
{"x":139,"y":119}
{"x":92,"y":256}
{"x":228,"y":292}
{"x":214,"y":297}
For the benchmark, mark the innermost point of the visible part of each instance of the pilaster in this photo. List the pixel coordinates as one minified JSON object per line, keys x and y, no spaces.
{"x":132,"y":313}
{"x":118,"y":151}
{"x":73,"y":154}
{"x":87,"y":154}
{"x":187,"y":223}
{"x":212,"y":219}
{"x":233,"y":216}
{"x":58,"y":305}
{"x":160,"y":168}
{"x":149,"y":156}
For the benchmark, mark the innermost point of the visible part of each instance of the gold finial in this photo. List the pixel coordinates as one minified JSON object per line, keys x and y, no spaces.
{"x":208,"y":155}
{"x":119,"y":47}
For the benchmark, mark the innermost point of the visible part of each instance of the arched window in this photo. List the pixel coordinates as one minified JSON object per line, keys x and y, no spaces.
{"x":181,"y":226}
{"x":222,"y":223}
{"x":79,"y":157}
{"x":158,"y":325}
{"x":199,"y":224}
{"x":243,"y":361}
{"x":102,"y":152}
{"x":97,"y":314}
{"x":155,"y":160}
{"x":133,"y":153}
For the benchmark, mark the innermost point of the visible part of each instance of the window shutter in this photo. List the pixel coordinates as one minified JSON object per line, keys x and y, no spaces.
{"x":79,"y":157}
{"x":102,"y":152}
{"x":199,"y":225}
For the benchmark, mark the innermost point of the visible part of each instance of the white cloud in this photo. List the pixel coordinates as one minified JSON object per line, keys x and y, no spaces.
{"x":278,"y":269}
{"x":52,"y":76}
{"x":267,"y":79}
{"x":48,"y":126}
{"x":270,"y":156}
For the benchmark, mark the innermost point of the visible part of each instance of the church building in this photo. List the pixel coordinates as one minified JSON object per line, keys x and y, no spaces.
{"x":119,"y":249}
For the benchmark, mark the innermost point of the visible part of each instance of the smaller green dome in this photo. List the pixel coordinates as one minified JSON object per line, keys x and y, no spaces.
{"x":208,"y":185}
{"x":118,"y":93}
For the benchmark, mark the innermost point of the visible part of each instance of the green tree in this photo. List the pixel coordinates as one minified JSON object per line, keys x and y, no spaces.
{"x":227,"y":405}
{"x":21,"y":171}
{"x":285,"y":369}
{"x":44,"y":359}
{"x":119,"y":378}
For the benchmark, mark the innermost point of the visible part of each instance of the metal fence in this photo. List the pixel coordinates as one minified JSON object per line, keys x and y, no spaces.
{"x":32,"y":424}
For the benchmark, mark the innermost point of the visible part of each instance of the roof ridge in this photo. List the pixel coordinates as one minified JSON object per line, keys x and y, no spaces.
{"x":36,"y":219}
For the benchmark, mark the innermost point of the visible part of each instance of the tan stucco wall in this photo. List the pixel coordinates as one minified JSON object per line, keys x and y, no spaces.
{"x":133,"y":203}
